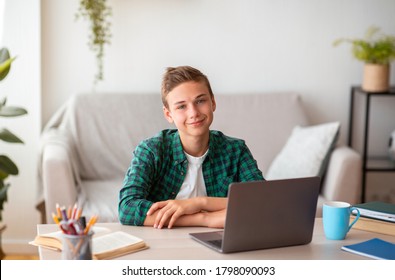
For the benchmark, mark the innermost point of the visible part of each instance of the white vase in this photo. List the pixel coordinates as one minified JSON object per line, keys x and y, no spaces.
{"x":376,"y":77}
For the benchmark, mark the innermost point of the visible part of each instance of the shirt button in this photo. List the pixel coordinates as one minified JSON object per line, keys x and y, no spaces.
{"x":182,"y":173}
{"x":173,"y":193}
{"x":176,"y":161}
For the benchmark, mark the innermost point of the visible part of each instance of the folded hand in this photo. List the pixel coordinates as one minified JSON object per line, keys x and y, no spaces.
{"x":170,"y":210}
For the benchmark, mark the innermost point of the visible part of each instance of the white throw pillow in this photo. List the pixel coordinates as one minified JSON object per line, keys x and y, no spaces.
{"x":306,"y":152}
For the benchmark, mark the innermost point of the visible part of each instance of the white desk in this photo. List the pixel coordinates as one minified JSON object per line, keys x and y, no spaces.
{"x":176,"y":244}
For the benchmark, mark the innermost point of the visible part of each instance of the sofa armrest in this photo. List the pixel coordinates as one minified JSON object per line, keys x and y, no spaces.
{"x":342,"y":181}
{"x":58,"y":180}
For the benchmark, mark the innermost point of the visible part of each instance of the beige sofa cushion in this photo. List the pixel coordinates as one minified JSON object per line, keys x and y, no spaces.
{"x":306,"y":152}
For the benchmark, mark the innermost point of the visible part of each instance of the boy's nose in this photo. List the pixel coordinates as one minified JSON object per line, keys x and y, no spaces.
{"x":193,"y":111}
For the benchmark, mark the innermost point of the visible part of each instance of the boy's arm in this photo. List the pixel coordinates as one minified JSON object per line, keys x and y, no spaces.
{"x":133,"y":203}
{"x":214,"y":219}
{"x":186,"y":220}
{"x":174,"y":212}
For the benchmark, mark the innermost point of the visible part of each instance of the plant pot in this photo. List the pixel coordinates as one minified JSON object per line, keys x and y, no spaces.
{"x":376,"y":77}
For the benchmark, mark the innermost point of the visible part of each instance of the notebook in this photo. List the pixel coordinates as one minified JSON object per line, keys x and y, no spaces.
{"x":266,"y":214}
{"x":375,"y":248}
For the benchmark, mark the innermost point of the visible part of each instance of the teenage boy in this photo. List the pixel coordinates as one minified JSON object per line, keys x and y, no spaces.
{"x":180,"y":177}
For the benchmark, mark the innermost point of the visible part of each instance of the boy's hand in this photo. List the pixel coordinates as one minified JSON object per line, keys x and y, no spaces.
{"x":215,"y":219}
{"x":170,"y":210}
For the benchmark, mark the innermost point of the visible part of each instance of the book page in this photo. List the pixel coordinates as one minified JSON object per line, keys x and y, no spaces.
{"x":113,"y":241}
{"x":56,"y":234}
{"x":377,"y":215}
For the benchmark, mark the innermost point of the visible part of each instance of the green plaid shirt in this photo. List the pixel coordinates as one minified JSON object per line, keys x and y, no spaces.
{"x":159,"y":167}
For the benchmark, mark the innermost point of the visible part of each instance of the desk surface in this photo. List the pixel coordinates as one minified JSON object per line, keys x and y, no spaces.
{"x":171,"y":244}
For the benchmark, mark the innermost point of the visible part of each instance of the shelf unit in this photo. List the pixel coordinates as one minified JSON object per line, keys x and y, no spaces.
{"x":369,"y":163}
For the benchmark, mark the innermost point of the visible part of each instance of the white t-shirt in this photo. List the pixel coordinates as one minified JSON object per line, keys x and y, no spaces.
{"x":193,"y":185}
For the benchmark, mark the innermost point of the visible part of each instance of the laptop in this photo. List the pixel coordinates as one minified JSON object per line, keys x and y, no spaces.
{"x":266,"y":214}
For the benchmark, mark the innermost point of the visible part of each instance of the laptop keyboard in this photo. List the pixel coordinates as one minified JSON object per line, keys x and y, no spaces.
{"x":216,"y":243}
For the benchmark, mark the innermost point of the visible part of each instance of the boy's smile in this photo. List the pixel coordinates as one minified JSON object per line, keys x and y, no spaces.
{"x":196,"y":123}
{"x":190,"y":107}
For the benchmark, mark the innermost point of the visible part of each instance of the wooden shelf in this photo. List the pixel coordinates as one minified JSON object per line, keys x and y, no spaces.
{"x":380,"y":164}
{"x":369,"y":163}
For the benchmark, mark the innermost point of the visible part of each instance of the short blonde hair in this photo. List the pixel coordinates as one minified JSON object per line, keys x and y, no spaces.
{"x":175,"y":76}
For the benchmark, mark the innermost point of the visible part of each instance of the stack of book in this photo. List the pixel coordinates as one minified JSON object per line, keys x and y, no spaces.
{"x":376,"y":216}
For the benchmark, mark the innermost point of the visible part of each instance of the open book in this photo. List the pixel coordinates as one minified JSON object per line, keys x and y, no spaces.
{"x":116,"y":244}
{"x":52,"y":241}
{"x":107,"y":246}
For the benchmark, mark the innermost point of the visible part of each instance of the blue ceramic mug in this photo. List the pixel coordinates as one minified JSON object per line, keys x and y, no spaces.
{"x":336,"y":219}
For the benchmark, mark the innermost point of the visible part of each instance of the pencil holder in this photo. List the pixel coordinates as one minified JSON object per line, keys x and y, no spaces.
{"x":77,"y":247}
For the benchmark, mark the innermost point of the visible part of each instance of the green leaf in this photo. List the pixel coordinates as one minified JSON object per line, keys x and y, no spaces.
{"x":3,"y":175}
{"x":7,"y":166}
{"x":8,"y":136}
{"x":5,"y":63}
{"x":376,"y":47}
{"x":11,"y":111}
{"x":3,"y":196}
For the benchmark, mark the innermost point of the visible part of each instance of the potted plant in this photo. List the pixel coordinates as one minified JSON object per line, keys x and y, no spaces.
{"x":377,"y":51}
{"x":7,"y":166}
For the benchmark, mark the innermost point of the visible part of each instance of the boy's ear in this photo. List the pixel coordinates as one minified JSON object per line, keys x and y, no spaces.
{"x":167,"y":114}
{"x":214,"y":104}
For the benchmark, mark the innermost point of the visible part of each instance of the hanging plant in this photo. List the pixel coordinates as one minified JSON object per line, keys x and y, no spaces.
{"x":98,"y":13}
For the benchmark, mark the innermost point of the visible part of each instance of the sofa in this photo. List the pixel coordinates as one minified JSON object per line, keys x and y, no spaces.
{"x":87,"y":145}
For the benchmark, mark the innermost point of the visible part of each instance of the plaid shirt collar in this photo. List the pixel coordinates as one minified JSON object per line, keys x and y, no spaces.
{"x":179,"y":154}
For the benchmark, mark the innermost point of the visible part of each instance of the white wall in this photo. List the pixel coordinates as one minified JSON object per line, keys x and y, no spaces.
{"x":242,"y":45}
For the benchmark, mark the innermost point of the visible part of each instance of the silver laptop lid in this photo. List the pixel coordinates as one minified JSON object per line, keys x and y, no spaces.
{"x":269,"y":214}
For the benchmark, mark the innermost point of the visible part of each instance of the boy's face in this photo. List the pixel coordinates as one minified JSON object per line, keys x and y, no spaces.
{"x":190,"y":108}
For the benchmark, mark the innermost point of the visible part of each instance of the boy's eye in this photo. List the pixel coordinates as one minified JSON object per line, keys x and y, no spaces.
{"x":199,"y":101}
{"x":181,"y":107}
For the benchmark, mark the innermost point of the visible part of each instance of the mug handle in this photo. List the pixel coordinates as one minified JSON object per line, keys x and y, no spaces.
{"x":356,"y":218}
